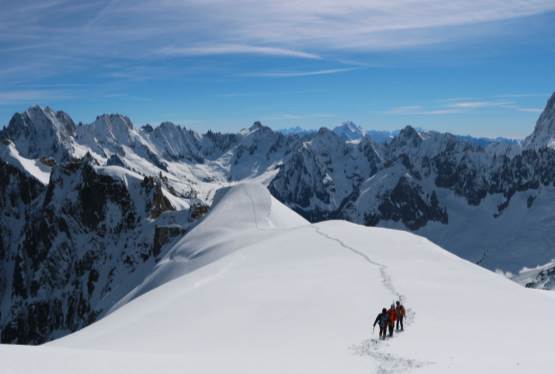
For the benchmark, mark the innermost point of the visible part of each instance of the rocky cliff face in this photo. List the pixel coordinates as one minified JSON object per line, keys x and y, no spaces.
{"x":18,"y":195}
{"x":83,"y":240}
{"x":544,"y":132}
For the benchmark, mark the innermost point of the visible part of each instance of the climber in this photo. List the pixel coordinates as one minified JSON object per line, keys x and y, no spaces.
{"x":392,"y":316}
{"x":382,"y":320}
{"x":400,"y":309}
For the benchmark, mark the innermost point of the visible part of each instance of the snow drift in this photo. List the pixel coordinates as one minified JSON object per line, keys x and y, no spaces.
{"x":254,"y":288}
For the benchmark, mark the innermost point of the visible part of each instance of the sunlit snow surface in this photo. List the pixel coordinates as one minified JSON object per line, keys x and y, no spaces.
{"x":254,"y":288}
{"x":34,"y":168}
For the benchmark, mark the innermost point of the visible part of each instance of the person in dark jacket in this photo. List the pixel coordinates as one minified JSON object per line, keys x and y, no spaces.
{"x":400,"y":309}
{"x":392,"y":317}
{"x":382,"y":320}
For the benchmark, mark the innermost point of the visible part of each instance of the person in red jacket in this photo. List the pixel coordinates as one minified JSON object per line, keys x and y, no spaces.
{"x":392,"y":313}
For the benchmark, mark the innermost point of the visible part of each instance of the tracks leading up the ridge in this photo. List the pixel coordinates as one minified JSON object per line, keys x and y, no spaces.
{"x":387,"y":363}
{"x":386,"y":278}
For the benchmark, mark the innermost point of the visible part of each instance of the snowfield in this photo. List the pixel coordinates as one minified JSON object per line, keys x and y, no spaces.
{"x":254,"y":288}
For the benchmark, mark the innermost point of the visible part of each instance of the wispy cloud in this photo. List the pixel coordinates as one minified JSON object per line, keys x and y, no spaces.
{"x":314,"y":29}
{"x":404,"y":109}
{"x":235,"y":49}
{"x":291,"y":74}
{"x":33,"y":95}
{"x":460,"y":105}
{"x":477,"y":104}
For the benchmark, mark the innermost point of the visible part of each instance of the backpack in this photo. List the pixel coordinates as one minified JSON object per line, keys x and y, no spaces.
{"x":392,"y":315}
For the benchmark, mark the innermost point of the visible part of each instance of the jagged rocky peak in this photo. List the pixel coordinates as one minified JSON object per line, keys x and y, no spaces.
{"x":325,"y":134}
{"x":42,"y":118}
{"x":113,"y":122}
{"x":40,"y":131}
{"x":409,"y":135}
{"x":108,"y":128}
{"x":147,"y":128}
{"x":348,"y":130}
{"x":407,"y":140}
{"x":257,"y":127}
{"x":167,"y":129}
{"x":544,"y":132}
{"x":167,"y":125}
{"x":175,"y":142}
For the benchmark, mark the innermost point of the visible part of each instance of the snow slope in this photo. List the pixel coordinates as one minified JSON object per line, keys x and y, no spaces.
{"x":34,"y":168}
{"x":256,"y":289}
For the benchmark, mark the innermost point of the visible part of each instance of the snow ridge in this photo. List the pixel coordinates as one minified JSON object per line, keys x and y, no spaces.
{"x":291,"y":297}
{"x":386,"y":279}
{"x":388,"y":363}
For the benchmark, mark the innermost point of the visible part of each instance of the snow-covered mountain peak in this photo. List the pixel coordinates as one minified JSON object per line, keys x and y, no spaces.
{"x":114,"y":129}
{"x":325,"y":140}
{"x":39,"y":132}
{"x":167,"y":126}
{"x":174,"y":141}
{"x":147,"y":128}
{"x":113,"y":123}
{"x":544,"y":132}
{"x":326,"y":134}
{"x":42,"y":119}
{"x":256,"y":127}
{"x":407,"y":140}
{"x":240,"y":216}
{"x":409,"y":134}
{"x":349,"y":131}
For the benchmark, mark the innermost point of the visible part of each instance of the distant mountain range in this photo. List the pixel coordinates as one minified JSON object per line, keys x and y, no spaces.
{"x":350,"y":131}
{"x":89,"y":209}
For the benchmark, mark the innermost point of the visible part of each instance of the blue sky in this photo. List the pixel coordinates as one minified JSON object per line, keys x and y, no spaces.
{"x":471,"y":67}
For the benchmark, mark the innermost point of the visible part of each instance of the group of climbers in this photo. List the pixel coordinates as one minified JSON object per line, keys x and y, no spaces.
{"x":388,"y":318}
